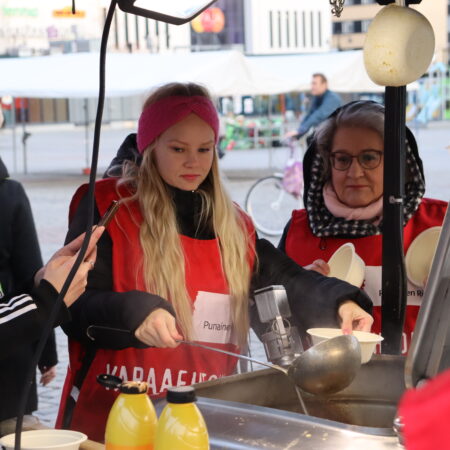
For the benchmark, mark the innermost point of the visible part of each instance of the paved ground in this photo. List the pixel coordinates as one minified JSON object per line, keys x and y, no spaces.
{"x":56,"y":157}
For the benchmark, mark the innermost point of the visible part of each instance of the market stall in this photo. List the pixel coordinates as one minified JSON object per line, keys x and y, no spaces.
{"x":240,"y":413}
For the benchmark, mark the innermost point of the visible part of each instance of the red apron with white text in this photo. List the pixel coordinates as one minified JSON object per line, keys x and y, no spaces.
{"x":160,"y":368}
{"x":303,"y":247}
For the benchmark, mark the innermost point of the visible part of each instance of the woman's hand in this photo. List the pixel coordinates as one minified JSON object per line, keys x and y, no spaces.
{"x":58,"y":267}
{"x":353,"y":317}
{"x":159,"y":330}
{"x":319,"y":265}
{"x":47,"y":374}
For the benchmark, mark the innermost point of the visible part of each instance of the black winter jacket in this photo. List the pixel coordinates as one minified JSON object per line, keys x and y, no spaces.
{"x":20,"y":258}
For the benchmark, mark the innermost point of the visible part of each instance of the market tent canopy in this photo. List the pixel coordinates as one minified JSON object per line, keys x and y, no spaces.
{"x":224,"y":73}
{"x":345,"y":71}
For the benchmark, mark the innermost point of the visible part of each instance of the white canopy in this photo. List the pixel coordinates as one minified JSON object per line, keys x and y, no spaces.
{"x":224,"y":73}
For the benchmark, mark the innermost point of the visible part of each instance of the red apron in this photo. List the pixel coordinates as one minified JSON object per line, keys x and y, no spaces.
{"x":161,"y":368}
{"x":303,"y":247}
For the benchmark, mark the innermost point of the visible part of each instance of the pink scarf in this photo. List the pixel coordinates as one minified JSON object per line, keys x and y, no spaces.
{"x":372,"y":212}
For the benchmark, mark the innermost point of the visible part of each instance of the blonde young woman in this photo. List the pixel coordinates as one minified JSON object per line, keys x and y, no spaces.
{"x":179,"y":261}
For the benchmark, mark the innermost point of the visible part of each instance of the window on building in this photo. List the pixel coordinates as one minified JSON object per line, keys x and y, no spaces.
{"x":127,"y":34}
{"x":167,"y":36}
{"x":271,"y":28}
{"x":319,"y":25}
{"x":347,"y":27}
{"x":279,"y":29}
{"x":304,"y":28}
{"x":288,"y":29}
{"x":296,"y":28}
{"x":136,"y":29}
{"x":365,"y":24}
{"x":357,"y":27}
{"x":116,"y":32}
{"x":337,"y":28}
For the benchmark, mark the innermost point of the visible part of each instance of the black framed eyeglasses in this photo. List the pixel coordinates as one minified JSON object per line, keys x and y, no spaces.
{"x":367,"y":159}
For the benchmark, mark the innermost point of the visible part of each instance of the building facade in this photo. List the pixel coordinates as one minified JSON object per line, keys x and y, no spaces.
{"x":29,"y":27}
{"x":287,"y":26}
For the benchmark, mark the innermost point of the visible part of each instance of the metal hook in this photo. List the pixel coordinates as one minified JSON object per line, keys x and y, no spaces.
{"x":393,"y":200}
{"x":337,"y":7}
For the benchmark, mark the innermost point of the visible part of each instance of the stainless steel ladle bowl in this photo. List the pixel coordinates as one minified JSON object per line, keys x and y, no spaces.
{"x":323,"y":369}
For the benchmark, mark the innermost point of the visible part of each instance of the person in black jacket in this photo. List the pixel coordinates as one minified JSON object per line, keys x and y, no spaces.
{"x":20,"y":258}
{"x":22,"y":315}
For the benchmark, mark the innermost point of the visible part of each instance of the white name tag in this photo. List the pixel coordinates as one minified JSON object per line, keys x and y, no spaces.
{"x":212,"y":320}
{"x":372,"y":286}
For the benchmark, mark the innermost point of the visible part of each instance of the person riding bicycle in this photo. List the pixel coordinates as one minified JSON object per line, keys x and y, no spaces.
{"x":324,"y":103}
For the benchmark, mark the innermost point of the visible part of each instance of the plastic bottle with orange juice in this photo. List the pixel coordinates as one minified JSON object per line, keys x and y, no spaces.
{"x":181,"y":425}
{"x":132,"y":420}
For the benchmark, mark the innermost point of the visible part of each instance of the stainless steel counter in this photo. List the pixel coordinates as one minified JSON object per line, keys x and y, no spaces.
{"x":239,"y":426}
{"x":261,"y":410}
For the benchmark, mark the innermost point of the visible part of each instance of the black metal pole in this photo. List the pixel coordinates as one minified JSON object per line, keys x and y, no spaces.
{"x":393,"y":298}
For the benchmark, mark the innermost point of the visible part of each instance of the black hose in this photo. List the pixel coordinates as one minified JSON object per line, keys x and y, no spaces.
{"x":31,"y":374}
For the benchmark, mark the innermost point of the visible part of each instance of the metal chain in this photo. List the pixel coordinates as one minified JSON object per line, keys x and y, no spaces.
{"x":337,"y":7}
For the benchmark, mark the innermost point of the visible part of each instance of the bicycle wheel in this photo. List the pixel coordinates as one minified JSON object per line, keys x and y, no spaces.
{"x":269,"y":205}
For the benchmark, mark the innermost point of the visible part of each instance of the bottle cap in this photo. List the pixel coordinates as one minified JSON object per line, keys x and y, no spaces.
{"x":181,"y":394}
{"x":109,"y":381}
{"x":133,"y":387}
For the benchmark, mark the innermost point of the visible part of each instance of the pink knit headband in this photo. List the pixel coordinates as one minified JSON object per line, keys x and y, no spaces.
{"x":164,"y":113}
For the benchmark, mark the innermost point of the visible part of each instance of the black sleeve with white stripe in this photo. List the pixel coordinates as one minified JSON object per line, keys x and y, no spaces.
{"x":23,"y":316}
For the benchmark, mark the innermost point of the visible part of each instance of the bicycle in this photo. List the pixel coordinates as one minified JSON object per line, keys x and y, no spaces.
{"x":271,"y":199}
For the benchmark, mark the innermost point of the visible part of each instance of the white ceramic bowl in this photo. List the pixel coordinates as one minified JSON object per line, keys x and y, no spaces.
{"x":399,"y":46}
{"x":46,"y":440}
{"x":346,"y":265}
{"x":367,"y":341}
{"x":420,"y":254}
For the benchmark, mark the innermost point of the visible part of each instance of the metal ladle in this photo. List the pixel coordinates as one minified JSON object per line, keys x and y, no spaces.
{"x":325,"y":368}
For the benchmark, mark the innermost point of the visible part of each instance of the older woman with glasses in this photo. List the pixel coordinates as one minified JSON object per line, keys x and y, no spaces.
{"x":343,"y":196}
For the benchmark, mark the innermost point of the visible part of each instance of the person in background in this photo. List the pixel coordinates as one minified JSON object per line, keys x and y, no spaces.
{"x":323,"y":103}
{"x":179,"y":261}
{"x":343,"y":197}
{"x":27,"y":293}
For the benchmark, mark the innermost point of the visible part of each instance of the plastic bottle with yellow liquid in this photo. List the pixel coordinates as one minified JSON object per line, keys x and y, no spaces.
{"x":181,"y":425}
{"x":132,"y":420}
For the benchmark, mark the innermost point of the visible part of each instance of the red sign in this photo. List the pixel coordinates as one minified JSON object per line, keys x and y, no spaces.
{"x":212,"y":20}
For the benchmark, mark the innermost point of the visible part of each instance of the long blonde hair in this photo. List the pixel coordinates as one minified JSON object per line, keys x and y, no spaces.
{"x":164,"y":260}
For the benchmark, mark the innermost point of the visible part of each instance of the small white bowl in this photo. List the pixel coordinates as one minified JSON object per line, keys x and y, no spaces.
{"x":346,"y":265}
{"x":420,"y":254}
{"x":48,"y":439}
{"x":367,"y":341}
